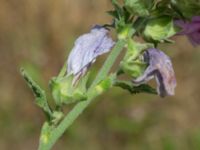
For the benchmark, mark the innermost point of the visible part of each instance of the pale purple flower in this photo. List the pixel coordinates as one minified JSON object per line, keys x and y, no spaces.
{"x":160,"y":67}
{"x":86,"y":49}
{"x":191,"y":29}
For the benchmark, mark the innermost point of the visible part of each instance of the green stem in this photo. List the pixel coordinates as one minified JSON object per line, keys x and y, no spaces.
{"x":79,"y":108}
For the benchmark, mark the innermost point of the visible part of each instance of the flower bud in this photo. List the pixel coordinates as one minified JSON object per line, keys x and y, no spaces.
{"x":160,"y":67}
{"x":105,"y":84}
{"x":64,"y":92}
{"x":125,"y":31}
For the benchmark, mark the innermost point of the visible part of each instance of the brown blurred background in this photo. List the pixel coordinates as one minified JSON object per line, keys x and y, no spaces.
{"x":38,"y":35}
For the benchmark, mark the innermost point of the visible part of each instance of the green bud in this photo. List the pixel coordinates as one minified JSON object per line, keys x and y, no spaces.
{"x":132,"y":64}
{"x":57,"y":117}
{"x":104,"y":85}
{"x":160,"y":29}
{"x":64,"y":92}
{"x":139,"y":7}
{"x":124,"y":30}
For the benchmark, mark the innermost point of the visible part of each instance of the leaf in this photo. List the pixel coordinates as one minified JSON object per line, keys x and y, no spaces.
{"x":160,"y":29}
{"x":113,"y":13}
{"x":127,"y":85}
{"x":39,"y":94}
{"x":120,"y":13}
{"x":139,"y":7}
{"x":188,"y":8}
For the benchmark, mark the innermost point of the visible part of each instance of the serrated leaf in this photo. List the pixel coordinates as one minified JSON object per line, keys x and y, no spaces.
{"x":39,"y":94}
{"x":127,"y":85}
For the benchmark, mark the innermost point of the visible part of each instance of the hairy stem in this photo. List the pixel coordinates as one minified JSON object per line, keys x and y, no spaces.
{"x":80,"y":107}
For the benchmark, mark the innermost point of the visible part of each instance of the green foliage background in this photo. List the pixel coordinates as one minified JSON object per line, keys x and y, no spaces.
{"x":39,"y":35}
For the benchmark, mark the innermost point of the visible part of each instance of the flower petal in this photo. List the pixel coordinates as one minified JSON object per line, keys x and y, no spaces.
{"x":87,"y":47}
{"x":196,"y":19}
{"x":160,"y":67}
{"x":194,"y":38}
{"x":190,"y":29}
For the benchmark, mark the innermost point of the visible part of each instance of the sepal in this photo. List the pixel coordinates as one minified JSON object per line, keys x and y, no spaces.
{"x":160,"y":29}
{"x":105,"y":84}
{"x":65,"y":92}
{"x":132,"y":64}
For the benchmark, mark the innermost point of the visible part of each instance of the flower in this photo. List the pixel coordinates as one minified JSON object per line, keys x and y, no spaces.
{"x":86,"y":49}
{"x":191,"y":29}
{"x":160,"y":67}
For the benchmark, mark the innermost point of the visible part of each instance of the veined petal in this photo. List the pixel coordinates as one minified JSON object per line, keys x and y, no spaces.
{"x":161,"y":68}
{"x":87,"y":47}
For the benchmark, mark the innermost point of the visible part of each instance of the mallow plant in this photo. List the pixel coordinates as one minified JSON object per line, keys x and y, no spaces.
{"x":153,"y":22}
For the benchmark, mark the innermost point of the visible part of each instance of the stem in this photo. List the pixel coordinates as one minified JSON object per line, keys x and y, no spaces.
{"x":79,"y":108}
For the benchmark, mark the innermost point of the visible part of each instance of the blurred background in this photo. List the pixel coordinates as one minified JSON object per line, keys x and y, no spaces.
{"x":38,"y":35}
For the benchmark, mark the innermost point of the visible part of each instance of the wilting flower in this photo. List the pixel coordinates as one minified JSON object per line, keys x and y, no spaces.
{"x":87,"y":47}
{"x":160,"y":67}
{"x":191,"y":29}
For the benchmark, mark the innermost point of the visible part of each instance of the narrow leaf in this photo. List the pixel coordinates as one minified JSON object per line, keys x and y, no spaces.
{"x":39,"y":94}
{"x":143,"y":88}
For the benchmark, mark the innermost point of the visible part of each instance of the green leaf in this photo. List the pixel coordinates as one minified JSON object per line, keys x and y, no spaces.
{"x":118,"y":9}
{"x":122,"y":17}
{"x":39,"y":94}
{"x":188,"y":8}
{"x":139,"y":7}
{"x":160,"y":29}
{"x":164,"y":8}
{"x":127,"y":85}
{"x":113,"y":13}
